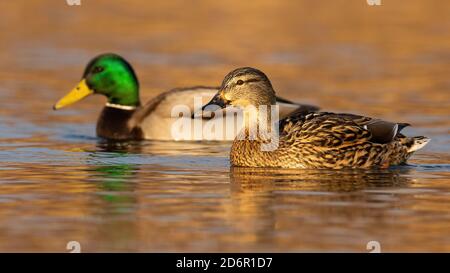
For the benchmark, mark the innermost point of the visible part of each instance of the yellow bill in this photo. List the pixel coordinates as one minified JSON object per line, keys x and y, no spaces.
{"x":79,"y":92}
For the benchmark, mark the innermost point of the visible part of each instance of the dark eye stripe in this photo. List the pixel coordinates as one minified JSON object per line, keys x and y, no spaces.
{"x":253,"y":80}
{"x":241,"y":82}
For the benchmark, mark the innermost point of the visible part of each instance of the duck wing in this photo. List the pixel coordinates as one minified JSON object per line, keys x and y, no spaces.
{"x":333,"y":130}
{"x":382,"y":131}
{"x":163,"y":104}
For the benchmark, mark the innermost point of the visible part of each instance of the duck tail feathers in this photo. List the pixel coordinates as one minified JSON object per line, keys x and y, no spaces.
{"x":418,"y":143}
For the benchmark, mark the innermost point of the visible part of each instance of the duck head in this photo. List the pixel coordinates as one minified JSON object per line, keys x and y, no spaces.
{"x":243,"y":87}
{"x":109,"y":75}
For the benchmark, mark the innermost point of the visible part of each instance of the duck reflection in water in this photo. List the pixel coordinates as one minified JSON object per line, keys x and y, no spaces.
{"x":345,"y":180}
{"x":117,"y":204}
{"x":312,"y":201}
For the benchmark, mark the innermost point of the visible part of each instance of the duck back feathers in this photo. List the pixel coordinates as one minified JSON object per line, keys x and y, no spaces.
{"x":329,"y":140}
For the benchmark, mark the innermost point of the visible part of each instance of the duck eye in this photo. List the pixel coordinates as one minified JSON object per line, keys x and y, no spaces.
{"x":97,"y":69}
{"x":240,"y":82}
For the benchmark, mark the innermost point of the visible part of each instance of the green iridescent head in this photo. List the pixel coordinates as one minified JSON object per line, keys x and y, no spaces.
{"x":109,"y":75}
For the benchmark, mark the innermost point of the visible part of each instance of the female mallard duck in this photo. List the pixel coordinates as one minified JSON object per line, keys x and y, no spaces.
{"x":309,"y":140}
{"x":124,"y":118}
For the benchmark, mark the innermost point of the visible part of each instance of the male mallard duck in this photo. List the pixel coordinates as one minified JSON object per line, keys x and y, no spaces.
{"x":124,"y":118}
{"x":310,"y":140}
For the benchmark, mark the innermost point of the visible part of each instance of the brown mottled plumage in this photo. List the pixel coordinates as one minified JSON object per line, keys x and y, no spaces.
{"x":313,"y":140}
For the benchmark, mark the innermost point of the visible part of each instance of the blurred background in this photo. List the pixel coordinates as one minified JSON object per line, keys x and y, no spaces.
{"x":59,"y":183}
{"x":343,"y":55}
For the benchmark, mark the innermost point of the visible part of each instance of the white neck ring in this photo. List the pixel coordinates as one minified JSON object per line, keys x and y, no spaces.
{"x":122,"y":107}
